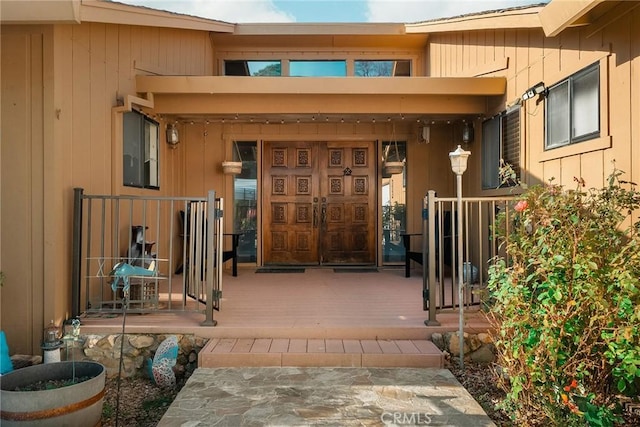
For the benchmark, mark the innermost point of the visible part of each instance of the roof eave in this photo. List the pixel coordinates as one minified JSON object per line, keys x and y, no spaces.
{"x":78,"y":11}
{"x":40,"y":11}
{"x":505,"y":19}
{"x":561,"y":14}
{"x":118,"y":13}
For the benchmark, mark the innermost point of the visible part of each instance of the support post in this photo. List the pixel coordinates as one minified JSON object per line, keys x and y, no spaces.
{"x":429,"y":254}
{"x":77,"y":251}
{"x":212,"y":252}
{"x":460,"y":279}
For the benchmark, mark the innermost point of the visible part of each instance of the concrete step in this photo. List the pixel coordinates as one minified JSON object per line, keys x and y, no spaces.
{"x":242,"y":352}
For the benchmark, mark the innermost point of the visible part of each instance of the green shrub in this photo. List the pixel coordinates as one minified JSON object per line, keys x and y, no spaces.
{"x":567,"y":304}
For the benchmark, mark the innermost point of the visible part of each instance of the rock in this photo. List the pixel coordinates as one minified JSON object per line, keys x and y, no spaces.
{"x":94,"y":352}
{"x":106,"y":350}
{"x":474,"y":342}
{"x":141,"y":341}
{"x":438,"y":340}
{"x":186,"y":344}
{"x":90,"y":341}
{"x":484,"y":354}
{"x":103,"y":343}
{"x":454,"y":344}
{"x":485,"y":338}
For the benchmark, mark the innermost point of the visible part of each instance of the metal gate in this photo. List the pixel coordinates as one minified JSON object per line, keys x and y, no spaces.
{"x":158,"y":236}
{"x":440,"y":252}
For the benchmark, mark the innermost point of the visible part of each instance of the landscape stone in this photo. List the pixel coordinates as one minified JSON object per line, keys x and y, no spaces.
{"x":484,"y":354}
{"x":141,"y":341}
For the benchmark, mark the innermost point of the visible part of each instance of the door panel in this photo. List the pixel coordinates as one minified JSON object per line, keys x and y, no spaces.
{"x":319,"y":203}
{"x":347,"y":172}
{"x":290,"y":183}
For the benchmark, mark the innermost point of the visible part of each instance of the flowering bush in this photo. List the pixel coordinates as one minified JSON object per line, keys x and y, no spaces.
{"x":567,"y":304}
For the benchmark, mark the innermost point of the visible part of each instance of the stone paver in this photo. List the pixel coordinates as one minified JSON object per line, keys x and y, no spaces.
{"x":288,"y":396}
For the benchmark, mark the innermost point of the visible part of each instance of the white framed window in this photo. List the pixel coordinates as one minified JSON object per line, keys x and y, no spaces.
{"x":500,"y":141}
{"x":140,"y":151}
{"x":572,"y":112}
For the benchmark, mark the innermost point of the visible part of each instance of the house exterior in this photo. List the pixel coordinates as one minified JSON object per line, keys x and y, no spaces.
{"x":123,"y":100}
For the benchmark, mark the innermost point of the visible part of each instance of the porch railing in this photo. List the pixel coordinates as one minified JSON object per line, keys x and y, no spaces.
{"x":440,"y":252}
{"x":169,"y":236}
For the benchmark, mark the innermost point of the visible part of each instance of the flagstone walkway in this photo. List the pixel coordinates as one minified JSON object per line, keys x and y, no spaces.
{"x":288,"y":396}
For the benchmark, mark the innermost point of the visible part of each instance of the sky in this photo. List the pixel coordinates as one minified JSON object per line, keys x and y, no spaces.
{"x":328,"y":11}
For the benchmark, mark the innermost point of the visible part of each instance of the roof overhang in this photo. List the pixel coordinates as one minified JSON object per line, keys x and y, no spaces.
{"x":40,"y":11}
{"x":108,"y":12}
{"x":516,"y":18}
{"x":312,"y":95}
{"x":561,"y":14}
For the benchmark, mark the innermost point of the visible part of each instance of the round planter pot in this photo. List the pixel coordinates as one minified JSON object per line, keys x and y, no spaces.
{"x":75,"y":405}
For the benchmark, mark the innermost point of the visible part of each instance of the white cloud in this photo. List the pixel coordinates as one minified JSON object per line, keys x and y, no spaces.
{"x":408,"y":11}
{"x":234,"y":11}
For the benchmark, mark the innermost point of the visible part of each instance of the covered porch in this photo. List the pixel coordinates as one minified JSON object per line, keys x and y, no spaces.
{"x":322,"y":303}
{"x":319,"y":317}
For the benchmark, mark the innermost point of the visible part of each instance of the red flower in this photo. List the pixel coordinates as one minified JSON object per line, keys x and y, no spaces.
{"x":521,"y":206}
{"x":574,"y":384}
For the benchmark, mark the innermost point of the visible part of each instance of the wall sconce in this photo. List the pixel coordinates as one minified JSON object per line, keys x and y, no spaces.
{"x":467,"y":132}
{"x":538,"y":89}
{"x":173,"y":139}
{"x":426,"y":134}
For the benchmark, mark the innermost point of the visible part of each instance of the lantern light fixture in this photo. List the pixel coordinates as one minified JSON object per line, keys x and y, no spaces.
{"x":173,"y":138}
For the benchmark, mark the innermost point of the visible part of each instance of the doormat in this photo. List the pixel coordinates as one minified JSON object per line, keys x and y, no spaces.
{"x":355,"y":270}
{"x":279,"y":270}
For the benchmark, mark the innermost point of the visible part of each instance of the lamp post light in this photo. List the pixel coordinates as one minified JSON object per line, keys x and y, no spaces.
{"x":459,"y":159}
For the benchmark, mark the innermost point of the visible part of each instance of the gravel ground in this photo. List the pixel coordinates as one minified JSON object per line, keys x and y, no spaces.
{"x":142,"y":404}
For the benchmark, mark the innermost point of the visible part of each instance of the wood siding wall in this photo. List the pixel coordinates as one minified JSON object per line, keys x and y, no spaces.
{"x":59,"y":86}
{"x":532,"y":57}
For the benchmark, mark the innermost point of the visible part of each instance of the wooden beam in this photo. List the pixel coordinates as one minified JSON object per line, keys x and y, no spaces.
{"x":561,"y":14}
{"x":321,"y":85}
{"x":260,"y":104}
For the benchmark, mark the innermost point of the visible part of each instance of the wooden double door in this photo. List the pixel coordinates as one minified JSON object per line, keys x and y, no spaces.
{"x":319,"y":203}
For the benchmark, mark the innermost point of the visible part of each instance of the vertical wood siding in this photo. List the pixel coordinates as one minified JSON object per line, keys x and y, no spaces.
{"x":59,"y":84}
{"x":533,"y":58}
{"x":22,"y":183}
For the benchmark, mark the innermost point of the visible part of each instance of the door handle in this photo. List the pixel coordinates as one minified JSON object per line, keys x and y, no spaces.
{"x":324,"y":214}
{"x":315,"y":215}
